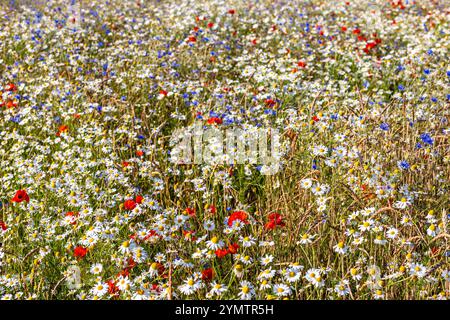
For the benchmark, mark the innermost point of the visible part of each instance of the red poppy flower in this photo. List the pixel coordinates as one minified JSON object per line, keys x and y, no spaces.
{"x":192,"y":39}
{"x":125,"y":164}
{"x":301,"y":64}
{"x":11,"y":104}
{"x":163,"y":92}
{"x":275,"y":219}
{"x":3,"y":225}
{"x":139,"y":199}
{"x":72,"y":214}
{"x":270,"y":102}
{"x":112,"y":288}
{"x":237,"y":215}
{"x":10,"y":87}
{"x":344,"y":28}
{"x":270,"y":225}
{"x":220,"y":253}
{"x":129,"y":204}
{"x":212,"y":209}
{"x":232,"y":248}
{"x":278,"y":218}
{"x":210,"y":25}
{"x":79,"y":252}
{"x":156,"y":287}
{"x":190,"y":211}
{"x":207,"y":274}
{"x":131,"y":263}
{"x":356,"y":31}
{"x":21,"y":195}
{"x":189,"y":235}
{"x":231,"y":11}
{"x":152,"y":233}
{"x":361,"y":38}
{"x":139,"y":153}
{"x":124,"y":273}
{"x":61,"y":129}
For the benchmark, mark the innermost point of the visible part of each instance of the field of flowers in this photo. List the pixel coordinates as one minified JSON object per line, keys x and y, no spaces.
{"x":93,"y":207}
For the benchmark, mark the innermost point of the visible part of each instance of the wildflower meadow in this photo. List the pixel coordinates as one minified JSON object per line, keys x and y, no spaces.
{"x":213,"y":149}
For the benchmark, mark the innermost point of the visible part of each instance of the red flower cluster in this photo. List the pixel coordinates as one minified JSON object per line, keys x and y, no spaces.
{"x":232,"y":249}
{"x":3,"y":225}
{"x":275,"y":219}
{"x":237,"y":215}
{"x":214,"y":120}
{"x":21,"y":195}
{"x":9,"y":103}
{"x":369,"y":44}
{"x":130,"y":204}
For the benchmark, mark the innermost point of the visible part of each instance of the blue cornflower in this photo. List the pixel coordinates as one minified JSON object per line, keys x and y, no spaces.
{"x":401,"y":87}
{"x":403,"y":164}
{"x":426,"y":138}
{"x":427,"y":71}
{"x":16,"y":118}
{"x":384,"y":126}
